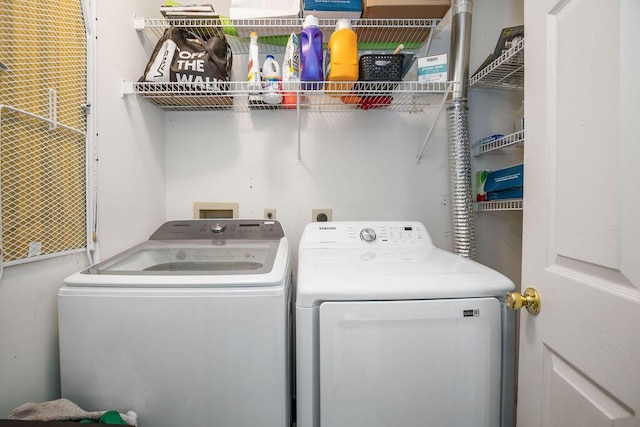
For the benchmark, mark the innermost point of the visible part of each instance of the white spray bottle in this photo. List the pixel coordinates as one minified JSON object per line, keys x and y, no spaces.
{"x":253,"y":72}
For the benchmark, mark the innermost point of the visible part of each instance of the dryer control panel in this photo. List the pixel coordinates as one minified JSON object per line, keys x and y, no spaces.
{"x":365,"y":234}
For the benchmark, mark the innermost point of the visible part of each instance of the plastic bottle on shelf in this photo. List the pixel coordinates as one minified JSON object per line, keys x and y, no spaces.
{"x":291,"y":71}
{"x":271,"y":81}
{"x":342,"y":57}
{"x":311,"y":53}
{"x":253,"y":70}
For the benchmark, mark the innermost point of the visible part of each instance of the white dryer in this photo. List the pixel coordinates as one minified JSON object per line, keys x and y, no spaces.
{"x":191,"y":327}
{"x":391,"y":331}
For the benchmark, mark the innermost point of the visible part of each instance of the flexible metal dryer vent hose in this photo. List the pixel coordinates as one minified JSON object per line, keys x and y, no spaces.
{"x":459,"y":146}
{"x":460,"y":180}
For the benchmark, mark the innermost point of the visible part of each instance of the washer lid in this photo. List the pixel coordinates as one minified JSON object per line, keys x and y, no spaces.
{"x":191,"y":257}
{"x":198,"y":253}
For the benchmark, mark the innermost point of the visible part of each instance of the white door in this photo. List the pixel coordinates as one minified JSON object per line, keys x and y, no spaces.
{"x":580,"y":357}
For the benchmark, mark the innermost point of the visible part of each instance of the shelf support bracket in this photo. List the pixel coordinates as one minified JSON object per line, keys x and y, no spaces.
{"x":433,"y":125}
{"x":53,"y":109}
{"x":127,"y":89}
{"x":298,"y":96}
{"x":138,"y":23}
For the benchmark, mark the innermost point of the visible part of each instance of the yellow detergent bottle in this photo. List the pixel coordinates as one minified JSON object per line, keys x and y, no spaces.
{"x":342,"y":59}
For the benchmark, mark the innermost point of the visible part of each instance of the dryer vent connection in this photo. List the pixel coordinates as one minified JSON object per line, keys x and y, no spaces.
{"x":322,"y":215}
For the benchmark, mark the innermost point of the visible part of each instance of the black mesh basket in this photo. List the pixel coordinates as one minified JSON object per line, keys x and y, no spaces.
{"x":381,"y":67}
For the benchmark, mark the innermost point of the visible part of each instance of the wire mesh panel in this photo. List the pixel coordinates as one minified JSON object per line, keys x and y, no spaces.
{"x":43,"y":193}
{"x":42,"y":128}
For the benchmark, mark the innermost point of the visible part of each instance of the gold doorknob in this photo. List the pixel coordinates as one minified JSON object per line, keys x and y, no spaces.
{"x":530,"y":300}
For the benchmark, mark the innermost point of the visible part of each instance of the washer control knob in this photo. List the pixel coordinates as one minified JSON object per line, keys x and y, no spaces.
{"x":368,"y":235}
{"x":218,"y":228}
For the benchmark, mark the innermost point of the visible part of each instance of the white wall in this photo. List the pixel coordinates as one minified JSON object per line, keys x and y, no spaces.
{"x":130,"y":131}
{"x":362,"y":165}
{"x":29,"y":364}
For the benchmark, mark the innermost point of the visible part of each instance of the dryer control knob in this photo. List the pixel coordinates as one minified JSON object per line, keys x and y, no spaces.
{"x":368,"y":234}
{"x":218,"y":228}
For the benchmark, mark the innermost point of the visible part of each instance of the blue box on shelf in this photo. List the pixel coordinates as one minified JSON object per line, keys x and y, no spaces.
{"x":511,"y":193}
{"x":504,"y":179}
{"x":349,"y":9}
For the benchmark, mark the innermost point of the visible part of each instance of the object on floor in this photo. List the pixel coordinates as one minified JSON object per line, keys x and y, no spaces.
{"x":66,"y":410}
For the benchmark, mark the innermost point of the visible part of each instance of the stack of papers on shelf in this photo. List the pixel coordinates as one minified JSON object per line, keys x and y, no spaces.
{"x":189,"y":11}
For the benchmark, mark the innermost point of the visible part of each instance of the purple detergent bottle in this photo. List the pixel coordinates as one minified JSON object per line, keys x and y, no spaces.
{"x":311,"y":54}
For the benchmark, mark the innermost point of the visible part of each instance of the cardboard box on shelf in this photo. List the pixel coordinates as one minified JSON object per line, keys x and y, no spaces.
{"x":332,"y":9}
{"x":400,"y":9}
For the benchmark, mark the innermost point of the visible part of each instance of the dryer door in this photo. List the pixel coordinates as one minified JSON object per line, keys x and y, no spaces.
{"x":410,"y":363}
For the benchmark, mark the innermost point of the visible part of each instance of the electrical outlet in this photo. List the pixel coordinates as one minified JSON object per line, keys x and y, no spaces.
{"x":269,"y":213}
{"x":321,"y":215}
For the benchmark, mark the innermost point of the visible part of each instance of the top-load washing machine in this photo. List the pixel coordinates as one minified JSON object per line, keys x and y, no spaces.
{"x":189,"y":328}
{"x":391,"y":331}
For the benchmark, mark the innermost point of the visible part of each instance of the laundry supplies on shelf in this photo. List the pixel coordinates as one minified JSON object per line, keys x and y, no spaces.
{"x":271,"y":81}
{"x":253,"y":71}
{"x":311,"y":54}
{"x":504,"y":179}
{"x":330,"y":9}
{"x":342,"y":58}
{"x":501,"y":184}
{"x":291,"y":71}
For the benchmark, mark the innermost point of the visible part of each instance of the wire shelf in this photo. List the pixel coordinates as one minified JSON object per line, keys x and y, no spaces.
{"x":506,"y":72}
{"x":500,"y":205}
{"x":505,"y":141}
{"x":373,"y":34}
{"x":334,"y":96}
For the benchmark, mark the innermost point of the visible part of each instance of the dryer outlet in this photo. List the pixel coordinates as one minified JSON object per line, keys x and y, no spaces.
{"x":269,"y":213}
{"x":321,"y":214}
